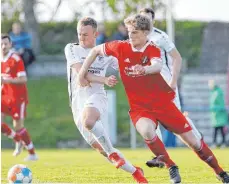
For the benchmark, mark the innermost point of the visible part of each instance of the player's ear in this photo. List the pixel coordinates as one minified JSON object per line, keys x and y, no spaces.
{"x":96,"y":33}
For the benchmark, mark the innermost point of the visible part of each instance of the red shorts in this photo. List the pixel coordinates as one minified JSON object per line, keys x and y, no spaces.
{"x":10,"y":107}
{"x":168,"y":115}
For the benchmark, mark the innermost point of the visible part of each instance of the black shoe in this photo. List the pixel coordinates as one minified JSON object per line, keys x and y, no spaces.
{"x":155,"y":163}
{"x":224,"y":177}
{"x":174,"y":174}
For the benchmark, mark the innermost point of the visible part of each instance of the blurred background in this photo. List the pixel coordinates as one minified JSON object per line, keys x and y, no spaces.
{"x":200,"y":30}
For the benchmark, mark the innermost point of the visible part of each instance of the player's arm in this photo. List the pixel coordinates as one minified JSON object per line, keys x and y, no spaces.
{"x":177,"y":61}
{"x":17,"y":80}
{"x":96,"y":51}
{"x":110,"y":81}
{"x":170,"y":48}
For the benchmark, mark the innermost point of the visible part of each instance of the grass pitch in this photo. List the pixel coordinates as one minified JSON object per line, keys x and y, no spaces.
{"x":88,"y":166}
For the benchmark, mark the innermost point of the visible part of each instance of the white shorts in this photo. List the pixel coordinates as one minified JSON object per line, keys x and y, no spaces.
{"x":98,"y":101}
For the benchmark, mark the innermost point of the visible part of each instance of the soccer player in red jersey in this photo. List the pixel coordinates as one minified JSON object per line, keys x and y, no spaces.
{"x":149,"y":96}
{"x":14,"y":98}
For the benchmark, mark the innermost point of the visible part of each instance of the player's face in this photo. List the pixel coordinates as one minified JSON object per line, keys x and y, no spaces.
{"x":211,"y":84}
{"x":6,"y":46}
{"x":87,"y":36}
{"x":137,"y":37}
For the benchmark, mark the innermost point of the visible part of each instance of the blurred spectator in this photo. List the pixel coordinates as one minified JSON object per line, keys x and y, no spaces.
{"x":101,"y":38}
{"x":121,"y":34}
{"x":22,"y":43}
{"x":219,"y":116}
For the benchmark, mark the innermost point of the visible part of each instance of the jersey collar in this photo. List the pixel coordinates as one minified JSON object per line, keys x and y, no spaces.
{"x":142,"y":49}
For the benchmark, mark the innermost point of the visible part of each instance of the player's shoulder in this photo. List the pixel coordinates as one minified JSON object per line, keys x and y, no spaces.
{"x":15,"y":57}
{"x":153,"y":45}
{"x":159,"y":32}
{"x":72,"y":46}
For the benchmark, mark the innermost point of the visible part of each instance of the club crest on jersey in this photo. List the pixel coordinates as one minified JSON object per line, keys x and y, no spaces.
{"x":100,"y":58}
{"x":144,"y":60}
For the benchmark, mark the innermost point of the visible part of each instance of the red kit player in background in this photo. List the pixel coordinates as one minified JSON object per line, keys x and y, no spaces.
{"x":149,"y":96}
{"x":14,"y":98}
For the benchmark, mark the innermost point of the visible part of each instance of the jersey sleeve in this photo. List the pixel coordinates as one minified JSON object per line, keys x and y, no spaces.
{"x":155,"y":54}
{"x":20,"y":68}
{"x":114,"y":63}
{"x":166,"y":43}
{"x":112,"y":48}
{"x":71,"y":54}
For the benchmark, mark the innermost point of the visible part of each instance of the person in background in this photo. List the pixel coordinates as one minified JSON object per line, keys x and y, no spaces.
{"x":101,"y":38}
{"x":22,"y":43}
{"x":218,"y":110}
{"x":121,"y":34}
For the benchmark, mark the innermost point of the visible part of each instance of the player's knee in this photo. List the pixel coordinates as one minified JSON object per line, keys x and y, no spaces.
{"x":18,"y":124}
{"x":148,"y":134}
{"x":89,"y":123}
{"x":194,"y":143}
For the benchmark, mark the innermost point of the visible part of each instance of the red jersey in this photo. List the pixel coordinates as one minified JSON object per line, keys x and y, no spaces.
{"x":142,"y":91}
{"x":12,"y":66}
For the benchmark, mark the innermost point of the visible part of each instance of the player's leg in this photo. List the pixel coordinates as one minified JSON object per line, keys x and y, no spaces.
{"x":18,"y":115}
{"x":205,"y":154}
{"x":6,"y":130}
{"x":92,"y":122}
{"x":177,"y":123}
{"x":222,"y":144}
{"x":136,"y":172}
{"x":90,"y":139}
{"x":146,"y":126}
{"x":6,"y":109}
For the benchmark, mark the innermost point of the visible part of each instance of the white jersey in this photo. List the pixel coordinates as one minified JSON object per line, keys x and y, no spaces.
{"x":76,"y":54}
{"x":162,"y":40}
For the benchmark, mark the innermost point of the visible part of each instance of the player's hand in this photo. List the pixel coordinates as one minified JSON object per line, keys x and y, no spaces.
{"x":82,"y":81}
{"x":6,"y":80}
{"x":138,"y":70}
{"x":173,"y":85}
{"x":111,"y":81}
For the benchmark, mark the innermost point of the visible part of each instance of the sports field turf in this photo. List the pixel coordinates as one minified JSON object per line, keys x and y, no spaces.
{"x":87,"y":166}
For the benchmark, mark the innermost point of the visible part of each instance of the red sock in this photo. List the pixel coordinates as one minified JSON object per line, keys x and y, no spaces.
{"x":26,"y":139}
{"x":9,"y":132}
{"x":208,"y":157}
{"x":158,"y":148}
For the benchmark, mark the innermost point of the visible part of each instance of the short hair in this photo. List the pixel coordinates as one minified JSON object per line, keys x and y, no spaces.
{"x":139,"y":22}
{"x":88,"y":21}
{"x":148,"y":10}
{"x":6,"y":36}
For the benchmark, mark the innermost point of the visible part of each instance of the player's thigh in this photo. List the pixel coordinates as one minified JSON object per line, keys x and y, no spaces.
{"x":18,"y":112}
{"x":172,"y":118}
{"x":95,"y":107}
{"x":145,"y":123}
{"x":87,"y":135}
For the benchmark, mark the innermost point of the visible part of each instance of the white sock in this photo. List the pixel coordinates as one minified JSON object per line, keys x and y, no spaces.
{"x":128,"y":167}
{"x":100,"y":135}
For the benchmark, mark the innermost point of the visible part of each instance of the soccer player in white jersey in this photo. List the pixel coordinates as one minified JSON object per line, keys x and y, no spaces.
{"x":170,"y":70}
{"x":89,"y":104}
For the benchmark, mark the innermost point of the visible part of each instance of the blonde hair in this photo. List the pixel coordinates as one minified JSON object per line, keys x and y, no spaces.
{"x":88,"y":21}
{"x":139,"y":22}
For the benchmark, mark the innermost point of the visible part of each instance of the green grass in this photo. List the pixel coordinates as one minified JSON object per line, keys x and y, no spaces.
{"x":87,"y":166}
